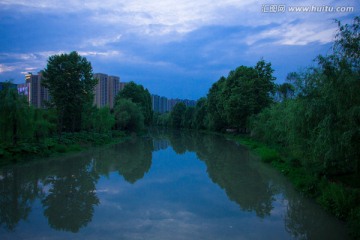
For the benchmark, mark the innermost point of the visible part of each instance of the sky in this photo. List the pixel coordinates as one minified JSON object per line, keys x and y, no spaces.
{"x":174,"y":48}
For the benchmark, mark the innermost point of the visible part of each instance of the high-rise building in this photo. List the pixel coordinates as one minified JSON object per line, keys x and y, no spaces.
{"x":164,"y":105}
{"x":122,"y":85}
{"x":155,"y":100}
{"x":106,"y":90}
{"x":114,"y":88}
{"x":36,"y":94}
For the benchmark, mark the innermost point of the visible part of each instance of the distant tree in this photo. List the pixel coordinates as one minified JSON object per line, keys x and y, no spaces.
{"x":286,"y":90}
{"x":200,"y":114}
{"x":163,"y":120}
{"x":188,"y":120}
{"x":246,"y":92}
{"x":177,"y":115}
{"x":141,"y":96}
{"x":99,"y":120}
{"x":215,"y":103}
{"x":15,"y":116}
{"x":128,"y":116}
{"x":70,"y":81}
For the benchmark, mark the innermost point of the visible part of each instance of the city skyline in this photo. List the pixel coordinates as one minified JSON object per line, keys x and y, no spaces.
{"x":105,"y":92}
{"x":174,"y":49}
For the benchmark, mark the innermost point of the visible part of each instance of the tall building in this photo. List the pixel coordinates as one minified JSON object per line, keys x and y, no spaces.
{"x":122,"y":85}
{"x":164,"y":105}
{"x":114,"y":88}
{"x":106,"y":90}
{"x":155,"y":100}
{"x":36,"y":94}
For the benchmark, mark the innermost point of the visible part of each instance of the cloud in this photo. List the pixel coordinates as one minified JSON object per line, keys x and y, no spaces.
{"x":5,"y":68}
{"x":295,"y":34}
{"x":103,"y":41}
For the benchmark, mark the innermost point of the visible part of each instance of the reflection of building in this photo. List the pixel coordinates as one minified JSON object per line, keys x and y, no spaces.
{"x":160,"y":144}
{"x":36,"y":94}
{"x":162,"y":104}
{"x":106,"y":90}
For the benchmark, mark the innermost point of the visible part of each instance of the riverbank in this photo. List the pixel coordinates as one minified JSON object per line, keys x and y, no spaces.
{"x":340,"y":196}
{"x":57,"y":145}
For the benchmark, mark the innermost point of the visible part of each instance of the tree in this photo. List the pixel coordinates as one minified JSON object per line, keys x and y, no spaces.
{"x":245,"y":92}
{"x":188,"y":121}
{"x":141,"y":96}
{"x":70,"y":81}
{"x":177,"y":115}
{"x":215,"y":100}
{"x":15,"y":116}
{"x":128,"y":116}
{"x":200,"y":114}
{"x":98,"y":120}
{"x":286,"y":91}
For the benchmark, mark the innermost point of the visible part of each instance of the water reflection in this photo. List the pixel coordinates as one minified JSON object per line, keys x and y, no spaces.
{"x":69,"y":202}
{"x":66,"y":187}
{"x":17,"y":193}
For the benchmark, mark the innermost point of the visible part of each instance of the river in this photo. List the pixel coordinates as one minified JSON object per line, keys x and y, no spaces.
{"x":166,"y":185}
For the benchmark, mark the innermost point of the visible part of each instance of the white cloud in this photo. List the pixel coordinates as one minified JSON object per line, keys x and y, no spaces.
{"x":5,"y":68}
{"x":103,"y":41}
{"x":295,"y":34}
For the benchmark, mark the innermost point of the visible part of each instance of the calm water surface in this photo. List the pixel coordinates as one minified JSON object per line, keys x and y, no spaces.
{"x":168,"y":185}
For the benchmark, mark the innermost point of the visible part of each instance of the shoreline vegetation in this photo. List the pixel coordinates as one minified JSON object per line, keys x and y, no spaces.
{"x":338,"y":195}
{"x":57,"y":146}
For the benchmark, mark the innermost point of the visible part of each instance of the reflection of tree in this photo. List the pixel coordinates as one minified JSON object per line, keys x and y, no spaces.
{"x":228,"y":166}
{"x":134,"y":159}
{"x":16,"y":196}
{"x":176,"y":138}
{"x":71,"y":199}
{"x":304,"y":220}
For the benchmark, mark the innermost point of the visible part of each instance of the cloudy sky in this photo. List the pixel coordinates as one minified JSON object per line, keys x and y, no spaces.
{"x":175,"y":48}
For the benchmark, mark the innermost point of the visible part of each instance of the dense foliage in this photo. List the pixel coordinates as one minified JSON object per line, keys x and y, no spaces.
{"x":128,"y":116}
{"x":70,"y":82}
{"x":141,"y":96}
{"x":230,"y":102}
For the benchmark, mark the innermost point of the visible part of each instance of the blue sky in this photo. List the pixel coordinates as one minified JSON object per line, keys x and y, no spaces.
{"x":173,"y":48}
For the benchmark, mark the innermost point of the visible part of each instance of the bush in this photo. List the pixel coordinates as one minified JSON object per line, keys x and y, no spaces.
{"x":338,"y":200}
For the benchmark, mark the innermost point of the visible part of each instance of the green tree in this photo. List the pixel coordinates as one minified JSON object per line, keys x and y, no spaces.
{"x":177,"y":115}
{"x":70,"y":81}
{"x":99,"y":120}
{"x":188,"y":121}
{"x":141,"y":96}
{"x":128,"y":116}
{"x":285,"y":90}
{"x":15,"y":116}
{"x":215,"y":102}
{"x":200,"y":114}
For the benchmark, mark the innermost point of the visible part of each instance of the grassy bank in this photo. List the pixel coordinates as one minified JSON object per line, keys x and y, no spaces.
{"x":340,"y":196}
{"x":53,"y":146}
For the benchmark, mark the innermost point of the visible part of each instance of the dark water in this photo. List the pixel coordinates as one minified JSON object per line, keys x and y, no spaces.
{"x":168,"y":185}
